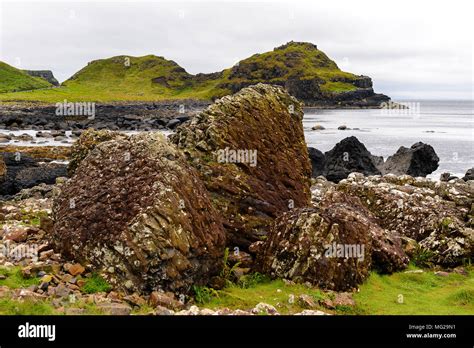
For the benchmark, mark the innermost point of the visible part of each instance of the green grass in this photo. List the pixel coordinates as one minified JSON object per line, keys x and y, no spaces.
{"x":276,"y":293}
{"x":27,"y":307}
{"x":337,"y":87}
{"x":400,"y":293}
{"x":130,"y":78}
{"x":421,"y":293}
{"x":14,"y":278}
{"x":95,"y":284}
{"x":12,"y":80}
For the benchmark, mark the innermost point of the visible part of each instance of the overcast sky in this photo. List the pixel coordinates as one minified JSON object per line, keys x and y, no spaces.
{"x":411,"y":49}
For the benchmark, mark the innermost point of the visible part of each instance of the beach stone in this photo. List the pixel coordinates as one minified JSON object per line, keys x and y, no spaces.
{"x":264,"y":308}
{"x":76,"y":269}
{"x":115,"y":308}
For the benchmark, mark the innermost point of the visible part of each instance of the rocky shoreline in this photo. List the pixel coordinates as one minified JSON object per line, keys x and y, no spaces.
{"x":131,"y":116}
{"x":158,"y":241}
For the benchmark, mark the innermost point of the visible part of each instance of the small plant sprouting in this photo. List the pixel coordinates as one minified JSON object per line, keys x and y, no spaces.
{"x":203,"y":294}
{"x":422,"y":257}
{"x":227,"y":272}
{"x":96,"y":284}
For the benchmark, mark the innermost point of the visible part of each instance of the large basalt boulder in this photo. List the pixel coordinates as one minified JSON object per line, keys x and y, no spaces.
{"x":418,"y":160}
{"x":387,"y":246}
{"x":303,"y":246}
{"x":348,"y":156}
{"x":264,"y":124}
{"x":137,"y":211}
{"x":438,"y":215}
{"x":88,"y":140}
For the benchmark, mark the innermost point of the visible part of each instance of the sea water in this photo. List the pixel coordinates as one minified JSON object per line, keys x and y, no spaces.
{"x":448,"y":126}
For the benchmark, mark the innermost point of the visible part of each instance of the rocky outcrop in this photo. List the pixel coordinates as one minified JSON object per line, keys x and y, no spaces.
{"x":113,"y":116}
{"x":419,"y":160}
{"x":351,"y":156}
{"x":23,"y":171}
{"x":87,"y":141}
{"x":437,"y":215}
{"x":469,"y":175}
{"x":250,"y":151}
{"x":44,"y":74}
{"x":297,"y":244}
{"x":295,"y":66}
{"x":333,"y":245}
{"x":136,"y":210}
{"x":387,"y":248}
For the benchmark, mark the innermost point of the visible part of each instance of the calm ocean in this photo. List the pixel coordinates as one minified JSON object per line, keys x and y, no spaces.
{"x":448,"y":126}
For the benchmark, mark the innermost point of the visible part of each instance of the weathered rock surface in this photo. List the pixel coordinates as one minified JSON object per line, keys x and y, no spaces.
{"x":437,"y":215}
{"x":262,"y":120}
{"x":387,"y":251}
{"x":419,"y":160}
{"x":87,"y":141}
{"x":299,"y":247}
{"x":136,"y":210}
{"x":332,"y":245}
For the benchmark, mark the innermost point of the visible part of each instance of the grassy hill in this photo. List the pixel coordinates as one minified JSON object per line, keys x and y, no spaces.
{"x":13,"y":80}
{"x":294,"y":60}
{"x":150,"y":78}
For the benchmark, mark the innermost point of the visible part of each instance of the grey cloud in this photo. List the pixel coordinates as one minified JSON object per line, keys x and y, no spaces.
{"x":399,"y":44}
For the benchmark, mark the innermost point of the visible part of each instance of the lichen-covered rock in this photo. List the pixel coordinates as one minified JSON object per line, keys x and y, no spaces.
{"x":138,"y":212}
{"x":388,"y":254}
{"x":438,"y":215}
{"x":329,"y":247}
{"x":272,"y":173}
{"x":88,"y":140}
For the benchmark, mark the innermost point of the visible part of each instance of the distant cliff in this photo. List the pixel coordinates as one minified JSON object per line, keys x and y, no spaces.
{"x":44,"y":74}
{"x":308,"y":74}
